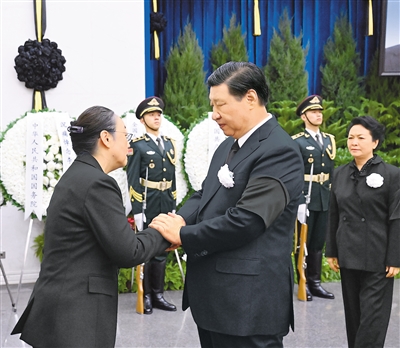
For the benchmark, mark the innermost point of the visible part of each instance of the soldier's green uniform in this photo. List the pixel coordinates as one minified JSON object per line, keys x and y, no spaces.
{"x":323,"y":160}
{"x":152,"y":166}
{"x":161,"y":184}
{"x":321,"y":154}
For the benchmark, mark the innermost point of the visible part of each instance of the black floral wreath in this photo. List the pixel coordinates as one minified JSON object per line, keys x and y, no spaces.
{"x":40,"y":64}
{"x":158,"y":22}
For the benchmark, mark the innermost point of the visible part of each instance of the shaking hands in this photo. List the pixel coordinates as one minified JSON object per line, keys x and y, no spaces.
{"x":169,"y":225}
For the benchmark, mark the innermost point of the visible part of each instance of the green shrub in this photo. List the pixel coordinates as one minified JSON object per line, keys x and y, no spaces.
{"x":286,"y":63}
{"x":185,"y":91}
{"x":231,"y":48}
{"x":341,"y":81}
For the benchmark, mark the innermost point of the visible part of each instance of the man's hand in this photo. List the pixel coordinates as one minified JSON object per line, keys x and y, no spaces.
{"x":333,"y":263}
{"x":302,"y":213}
{"x":169,"y":226}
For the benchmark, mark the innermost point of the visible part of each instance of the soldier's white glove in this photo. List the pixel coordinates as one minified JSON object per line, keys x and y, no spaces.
{"x":139,"y":221}
{"x":302,"y":213}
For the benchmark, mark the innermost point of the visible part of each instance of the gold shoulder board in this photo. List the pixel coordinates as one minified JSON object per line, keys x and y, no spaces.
{"x":331,"y":153}
{"x":137,"y":139}
{"x":298,"y":135}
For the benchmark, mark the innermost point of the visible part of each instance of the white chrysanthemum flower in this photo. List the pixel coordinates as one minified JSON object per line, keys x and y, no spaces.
{"x":225,"y":176}
{"x":46,"y":181}
{"x":48,"y":157}
{"x":54,"y":149}
{"x":51,"y":166}
{"x":53,"y":182}
{"x":374,"y":180}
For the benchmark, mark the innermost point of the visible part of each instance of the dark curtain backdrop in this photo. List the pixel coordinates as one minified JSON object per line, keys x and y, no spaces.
{"x":314,"y":18}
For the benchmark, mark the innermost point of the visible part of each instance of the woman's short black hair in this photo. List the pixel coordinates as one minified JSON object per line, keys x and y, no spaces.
{"x":376,"y":129}
{"x":240,"y":77}
{"x":85,"y":131}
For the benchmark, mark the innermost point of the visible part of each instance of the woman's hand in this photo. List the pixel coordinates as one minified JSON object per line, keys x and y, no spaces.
{"x":333,"y":263}
{"x":391,"y":271}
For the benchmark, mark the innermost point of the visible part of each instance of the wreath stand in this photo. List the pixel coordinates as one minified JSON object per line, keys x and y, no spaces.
{"x":3,"y":256}
{"x":28,"y":237}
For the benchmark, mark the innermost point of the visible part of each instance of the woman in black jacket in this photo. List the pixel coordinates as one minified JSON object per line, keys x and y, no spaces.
{"x":364,"y":234}
{"x":87,"y":238}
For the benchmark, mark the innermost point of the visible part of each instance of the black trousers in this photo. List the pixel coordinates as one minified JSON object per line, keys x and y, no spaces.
{"x":367,"y":299}
{"x":317,"y":225}
{"x":210,"y":339}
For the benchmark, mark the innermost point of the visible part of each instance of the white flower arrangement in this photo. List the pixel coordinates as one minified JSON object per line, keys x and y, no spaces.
{"x":196,"y":155}
{"x":225,"y":176}
{"x":52,"y":159}
{"x":374,"y":180}
{"x":168,"y":128}
{"x":12,"y":178}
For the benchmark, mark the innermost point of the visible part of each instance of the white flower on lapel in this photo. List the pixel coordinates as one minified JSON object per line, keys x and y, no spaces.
{"x":374,"y":180}
{"x":225,"y":176}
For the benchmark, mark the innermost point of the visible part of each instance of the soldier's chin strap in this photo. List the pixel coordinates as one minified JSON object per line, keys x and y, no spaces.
{"x":315,"y":125}
{"x":147,"y":126}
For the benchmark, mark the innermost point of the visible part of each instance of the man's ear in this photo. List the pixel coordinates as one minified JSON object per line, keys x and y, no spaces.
{"x":252,"y":97}
{"x":105,"y":138}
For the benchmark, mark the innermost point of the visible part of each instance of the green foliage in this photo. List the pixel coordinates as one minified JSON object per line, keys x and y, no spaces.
{"x":286,"y":63}
{"x":231,"y":48}
{"x":327,"y":274}
{"x":340,"y":74}
{"x":173,"y":276}
{"x":384,"y":89}
{"x":185,"y":91}
{"x":125,"y":281}
{"x":285,"y":112}
{"x":390,"y":117}
{"x":343,"y":156}
{"x":38,"y":245}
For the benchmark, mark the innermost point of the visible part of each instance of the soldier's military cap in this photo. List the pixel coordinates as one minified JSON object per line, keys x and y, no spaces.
{"x":312,"y":102}
{"x":148,"y":105}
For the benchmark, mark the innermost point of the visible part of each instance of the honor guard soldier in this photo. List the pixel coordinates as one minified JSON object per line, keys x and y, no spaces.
{"x":317,"y":148}
{"x":151,"y":170}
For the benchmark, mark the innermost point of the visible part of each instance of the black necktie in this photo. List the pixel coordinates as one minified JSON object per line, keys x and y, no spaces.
{"x":159,"y":145}
{"x":235,"y":148}
{"x":318,"y":141}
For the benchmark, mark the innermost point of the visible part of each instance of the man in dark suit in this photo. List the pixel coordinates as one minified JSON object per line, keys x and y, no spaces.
{"x":151,"y":166}
{"x":237,"y":230}
{"x":318,"y":149}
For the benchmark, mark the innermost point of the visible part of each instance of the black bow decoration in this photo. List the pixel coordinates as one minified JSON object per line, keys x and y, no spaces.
{"x":158,"y":22}
{"x":40,"y":64}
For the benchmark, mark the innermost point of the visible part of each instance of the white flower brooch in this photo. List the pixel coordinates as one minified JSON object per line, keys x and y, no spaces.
{"x":374,"y":180}
{"x":225,"y":176}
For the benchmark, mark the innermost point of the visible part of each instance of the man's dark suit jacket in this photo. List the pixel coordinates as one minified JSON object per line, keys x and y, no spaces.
{"x":239,"y":240}
{"x":87,"y":238}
